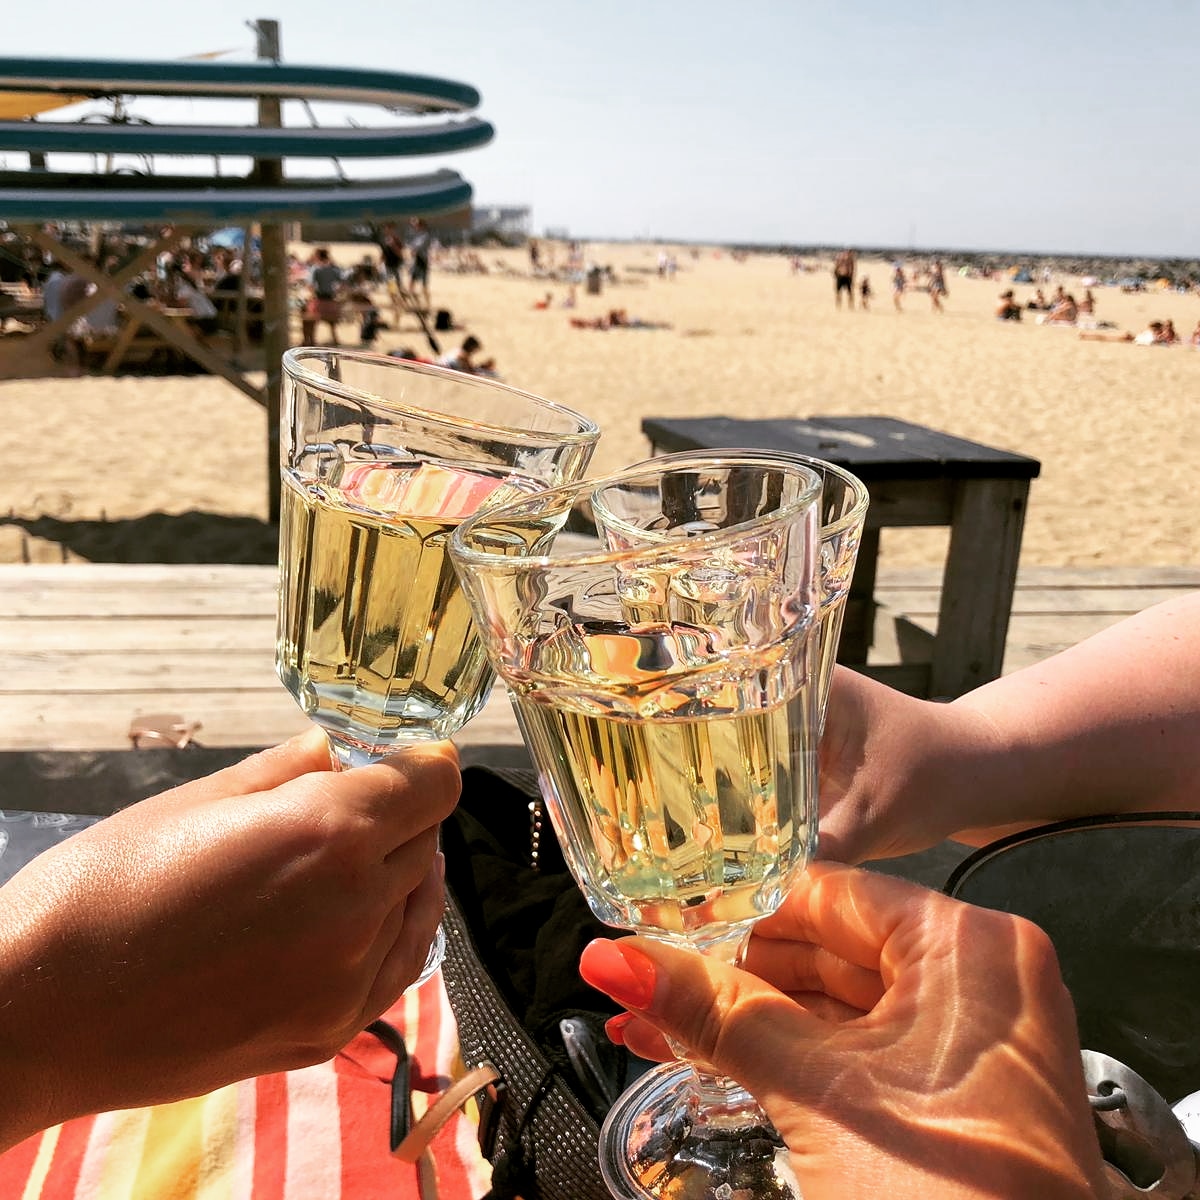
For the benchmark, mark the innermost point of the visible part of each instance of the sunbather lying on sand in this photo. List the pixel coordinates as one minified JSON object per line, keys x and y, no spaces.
{"x":617,"y":318}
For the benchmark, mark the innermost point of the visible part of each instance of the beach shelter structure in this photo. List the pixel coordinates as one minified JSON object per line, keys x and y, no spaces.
{"x":37,"y":202}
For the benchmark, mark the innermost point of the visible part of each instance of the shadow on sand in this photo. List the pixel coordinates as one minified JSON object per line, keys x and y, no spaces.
{"x":190,"y":537}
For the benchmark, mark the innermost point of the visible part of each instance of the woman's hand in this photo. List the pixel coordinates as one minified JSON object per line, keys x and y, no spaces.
{"x":903,"y":1043}
{"x":252,"y":921}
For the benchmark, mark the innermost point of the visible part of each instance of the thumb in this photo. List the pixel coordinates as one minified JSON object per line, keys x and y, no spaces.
{"x":732,"y":1020}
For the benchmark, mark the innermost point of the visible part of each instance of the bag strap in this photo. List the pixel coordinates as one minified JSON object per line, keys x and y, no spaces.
{"x":409,"y":1142}
{"x":440,"y":1111}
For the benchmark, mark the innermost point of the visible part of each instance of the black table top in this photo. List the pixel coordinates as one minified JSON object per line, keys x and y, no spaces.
{"x":871,"y":447}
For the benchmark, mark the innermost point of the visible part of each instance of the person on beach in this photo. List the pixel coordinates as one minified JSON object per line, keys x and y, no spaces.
{"x":1007,"y":309}
{"x":420,"y":248}
{"x":937,"y":285}
{"x":844,"y":266}
{"x":1064,"y":312}
{"x":463,"y":359}
{"x":391,"y":252}
{"x":873,"y":1018}
{"x":325,"y":303}
{"x":864,"y":294}
{"x":899,"y":284}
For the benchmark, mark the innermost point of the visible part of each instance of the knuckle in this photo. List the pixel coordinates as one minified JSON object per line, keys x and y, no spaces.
{"x":1035,"y":945}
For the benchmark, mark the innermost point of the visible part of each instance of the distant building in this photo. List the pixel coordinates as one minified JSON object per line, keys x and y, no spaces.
{"x":510,"y":224}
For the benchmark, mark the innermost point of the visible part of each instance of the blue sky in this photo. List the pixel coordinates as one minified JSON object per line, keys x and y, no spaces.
{"x":1055,"y":126}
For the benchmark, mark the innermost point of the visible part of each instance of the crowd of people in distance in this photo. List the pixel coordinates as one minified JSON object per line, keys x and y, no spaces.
{"x":1063,"y":309}
{"x":403,"y":269}
{"x":930,"y":278}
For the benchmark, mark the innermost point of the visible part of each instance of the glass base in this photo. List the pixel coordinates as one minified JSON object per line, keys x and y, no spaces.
{"x":433,"y":960}
{"x":652,"y":1149}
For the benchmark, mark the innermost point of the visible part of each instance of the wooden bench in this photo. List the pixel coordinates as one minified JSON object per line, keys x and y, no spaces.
{"x":916,"y":477}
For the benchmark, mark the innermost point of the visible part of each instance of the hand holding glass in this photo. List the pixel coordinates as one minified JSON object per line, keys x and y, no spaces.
{"x":381,"y":459}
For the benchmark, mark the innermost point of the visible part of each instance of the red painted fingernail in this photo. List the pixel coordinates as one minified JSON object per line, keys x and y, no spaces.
{"x":619,"y":969}
{"x":615,"y":1027}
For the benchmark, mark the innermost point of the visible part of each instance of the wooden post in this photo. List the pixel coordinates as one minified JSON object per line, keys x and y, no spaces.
{"x":269,"y":173}
{"x":241,"y":340}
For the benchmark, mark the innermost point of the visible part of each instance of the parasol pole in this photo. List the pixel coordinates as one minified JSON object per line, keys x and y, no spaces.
{"x":269,"y":173}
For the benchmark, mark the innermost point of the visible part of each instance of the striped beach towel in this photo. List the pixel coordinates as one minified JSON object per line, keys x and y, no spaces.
{"x":321,"y":1133}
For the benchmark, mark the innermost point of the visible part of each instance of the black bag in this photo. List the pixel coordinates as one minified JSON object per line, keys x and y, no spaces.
{"x":443,"y":319}
{"x":515,"y":926}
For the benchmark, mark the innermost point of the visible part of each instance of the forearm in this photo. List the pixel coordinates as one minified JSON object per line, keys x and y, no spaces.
{"x":1111,"y":725}
{"x":30,"y":1046}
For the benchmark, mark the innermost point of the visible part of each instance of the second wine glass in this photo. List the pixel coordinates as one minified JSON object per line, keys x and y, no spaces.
{"x":668,"y":696}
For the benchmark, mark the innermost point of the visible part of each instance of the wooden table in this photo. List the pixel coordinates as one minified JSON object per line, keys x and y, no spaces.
{"x":916,"y":477}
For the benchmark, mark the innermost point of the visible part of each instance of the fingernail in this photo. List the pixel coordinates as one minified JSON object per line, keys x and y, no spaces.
{"x":619,"y":969}
{"x":615,"y":1028}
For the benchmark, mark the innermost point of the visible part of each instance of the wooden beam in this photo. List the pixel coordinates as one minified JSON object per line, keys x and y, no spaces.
{"x":168,"y":330}
{"x":111,"y":286}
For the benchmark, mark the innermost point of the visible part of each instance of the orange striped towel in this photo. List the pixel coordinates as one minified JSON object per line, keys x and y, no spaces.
{"x":320,"y":1133}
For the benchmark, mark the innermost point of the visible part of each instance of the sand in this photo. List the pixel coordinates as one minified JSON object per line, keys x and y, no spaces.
{"x":174,"y":468}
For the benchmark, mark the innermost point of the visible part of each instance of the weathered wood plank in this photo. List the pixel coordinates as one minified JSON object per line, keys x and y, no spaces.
{"x":923,"y":603}
{"x":99,"y":672}
{"x":1056,"y":577}
{"x":65,"y":591}
{"x":162,"y":635}
{"x":85,"y":647}
{"x":54,"y":721}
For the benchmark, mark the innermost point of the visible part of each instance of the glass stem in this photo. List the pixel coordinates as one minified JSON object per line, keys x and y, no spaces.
{"x":716,"y":1102}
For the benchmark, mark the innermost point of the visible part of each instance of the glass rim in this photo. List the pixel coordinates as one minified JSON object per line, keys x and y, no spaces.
{"x":646,"y":552}
{"x":295,"y":358}
{"x":862,"y":497}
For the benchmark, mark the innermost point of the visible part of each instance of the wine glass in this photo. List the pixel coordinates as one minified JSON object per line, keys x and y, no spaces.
{"x":380,"y":460}
{"x":668,"y":696}
{"x":844,"y":502}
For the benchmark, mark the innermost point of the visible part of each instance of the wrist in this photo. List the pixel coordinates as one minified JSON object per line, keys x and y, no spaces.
{"x":947,"y":767}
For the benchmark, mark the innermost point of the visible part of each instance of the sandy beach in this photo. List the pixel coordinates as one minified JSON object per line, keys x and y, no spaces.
{"x":174,"y":468}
